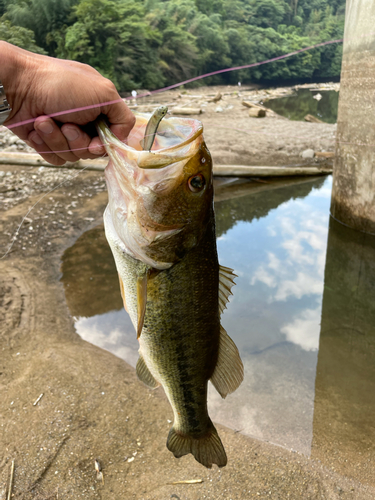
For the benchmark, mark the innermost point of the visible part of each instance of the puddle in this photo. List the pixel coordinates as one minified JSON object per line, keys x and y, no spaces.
{"x":309,"y":372}
{"x":297,"y":106}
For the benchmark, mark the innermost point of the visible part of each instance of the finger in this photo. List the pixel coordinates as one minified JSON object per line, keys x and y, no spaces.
{"x":78,"y":141}
{"x":96,"y":147}
{"x":53,"y":137}
{"x":41,"y":147}
{"x":121,"y":120}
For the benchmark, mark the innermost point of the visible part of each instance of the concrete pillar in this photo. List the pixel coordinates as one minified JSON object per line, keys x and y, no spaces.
{"x":353,"y":195}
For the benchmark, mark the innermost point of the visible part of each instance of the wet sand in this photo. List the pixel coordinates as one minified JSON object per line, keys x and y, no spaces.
{"x":93,"y":405}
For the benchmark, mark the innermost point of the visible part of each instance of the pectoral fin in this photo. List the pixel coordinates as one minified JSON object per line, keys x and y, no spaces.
{"x":122,"y":289}
{"x":144,"y":374}
{"x":228,"y":373}
{"x":141,"y":302}
{"x":226,"y":282}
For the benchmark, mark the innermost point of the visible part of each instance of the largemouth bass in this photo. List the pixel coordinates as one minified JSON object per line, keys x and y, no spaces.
{"x":160,"y":225}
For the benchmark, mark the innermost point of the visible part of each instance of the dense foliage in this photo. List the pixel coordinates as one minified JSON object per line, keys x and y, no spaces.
{"x":152,"y":43}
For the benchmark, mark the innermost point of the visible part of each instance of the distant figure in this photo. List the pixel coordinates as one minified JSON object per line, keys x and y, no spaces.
{"x":134,"y":95}
{"x":239,"y":84}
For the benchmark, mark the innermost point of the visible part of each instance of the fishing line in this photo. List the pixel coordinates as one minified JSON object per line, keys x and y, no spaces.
{"x":175,"y":85}
{"x":169,"y":87}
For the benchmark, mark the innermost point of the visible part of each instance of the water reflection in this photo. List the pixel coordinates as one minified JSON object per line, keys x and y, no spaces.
{"x":297,"y":106}
{"x":275,"y":239}
{"x":344,"y":422}
{"x":277,"y":247}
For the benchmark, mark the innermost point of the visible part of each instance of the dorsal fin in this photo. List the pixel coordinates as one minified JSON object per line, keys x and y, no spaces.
{"x":228,"y":373}
{"x":226,"y":282}
{"x":141,"y":302}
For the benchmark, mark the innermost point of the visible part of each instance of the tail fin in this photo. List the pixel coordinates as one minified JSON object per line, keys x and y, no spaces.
{"x":207,"y":449}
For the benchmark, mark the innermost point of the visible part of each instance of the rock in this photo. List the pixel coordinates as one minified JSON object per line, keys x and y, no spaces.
{"x":217,"y":97}
{"x":219,"y":109}
{"x":308,"y":153}
{"x":13,"y":139}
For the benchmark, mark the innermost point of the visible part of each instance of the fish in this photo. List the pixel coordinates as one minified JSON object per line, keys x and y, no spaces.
{"x":152,"y":126}
{"x":160,"y":225}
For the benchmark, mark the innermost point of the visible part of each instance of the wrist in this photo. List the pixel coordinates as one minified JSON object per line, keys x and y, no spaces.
{"x":15,"y":74}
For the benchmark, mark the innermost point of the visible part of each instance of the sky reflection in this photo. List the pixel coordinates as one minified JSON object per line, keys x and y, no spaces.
{"x":274,"y":318}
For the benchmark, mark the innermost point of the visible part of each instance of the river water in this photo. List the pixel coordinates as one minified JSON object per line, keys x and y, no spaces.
{"x":321,"y":104}
{"x":302,"y":316}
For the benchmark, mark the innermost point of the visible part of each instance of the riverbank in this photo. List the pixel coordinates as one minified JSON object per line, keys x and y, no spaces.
{"x":93,"y":407}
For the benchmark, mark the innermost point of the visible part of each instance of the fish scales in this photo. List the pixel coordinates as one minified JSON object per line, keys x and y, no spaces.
{"x":161,"y":228}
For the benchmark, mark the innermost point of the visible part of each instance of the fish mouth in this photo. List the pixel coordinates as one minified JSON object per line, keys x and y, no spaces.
{"x":175,"y":141}
{"x":137,"y":179}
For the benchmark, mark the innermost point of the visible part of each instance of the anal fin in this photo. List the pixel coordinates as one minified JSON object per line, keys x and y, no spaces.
{"x":228,"y":373}
{"x":144,"y":374}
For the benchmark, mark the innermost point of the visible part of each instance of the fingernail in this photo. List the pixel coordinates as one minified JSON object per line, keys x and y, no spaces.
{"x":70,"y":133}
{"x":45,"y":127}
{"x":36,"y":139}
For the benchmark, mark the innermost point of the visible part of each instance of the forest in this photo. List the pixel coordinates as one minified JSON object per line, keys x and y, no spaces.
{"x":148,"y":44}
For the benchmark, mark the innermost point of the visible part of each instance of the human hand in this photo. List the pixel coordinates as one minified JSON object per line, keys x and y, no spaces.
{"x":39,"y":86}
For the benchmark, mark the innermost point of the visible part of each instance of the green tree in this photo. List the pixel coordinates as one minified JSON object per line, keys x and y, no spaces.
{"x":21,"y":37}
{"x":113,"y":36}
{"x":44,"y":17}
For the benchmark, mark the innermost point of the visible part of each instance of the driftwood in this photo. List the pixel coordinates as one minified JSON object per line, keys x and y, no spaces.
{"x":249,"y":104}
{"x":186,"y":111}
{"x":246,"y":171}
{"x":34,"y":160}
{"x":257,"y":112}
{"x":312,"y":119}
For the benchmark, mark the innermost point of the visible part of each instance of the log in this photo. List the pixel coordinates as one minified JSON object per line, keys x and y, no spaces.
{"x":34,"y":160}
{"x":250,"y":104}
{"x":257,"y":112}
{"x":186,"y":111}
{"x":312,"y":119}
{"x":246,"y":171}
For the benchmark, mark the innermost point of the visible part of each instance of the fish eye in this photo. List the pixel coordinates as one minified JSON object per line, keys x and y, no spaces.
{"x":197,"y":183}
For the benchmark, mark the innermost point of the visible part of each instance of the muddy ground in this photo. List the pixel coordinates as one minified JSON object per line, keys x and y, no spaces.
{"x":93,"y":405}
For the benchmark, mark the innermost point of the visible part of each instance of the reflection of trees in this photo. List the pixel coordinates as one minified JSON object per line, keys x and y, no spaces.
{"x":257,"y":205}
{"x":345,"y":377}
{"x":298,"y":106}
{"x":88,"y":270}
{"x":89,"y":276}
